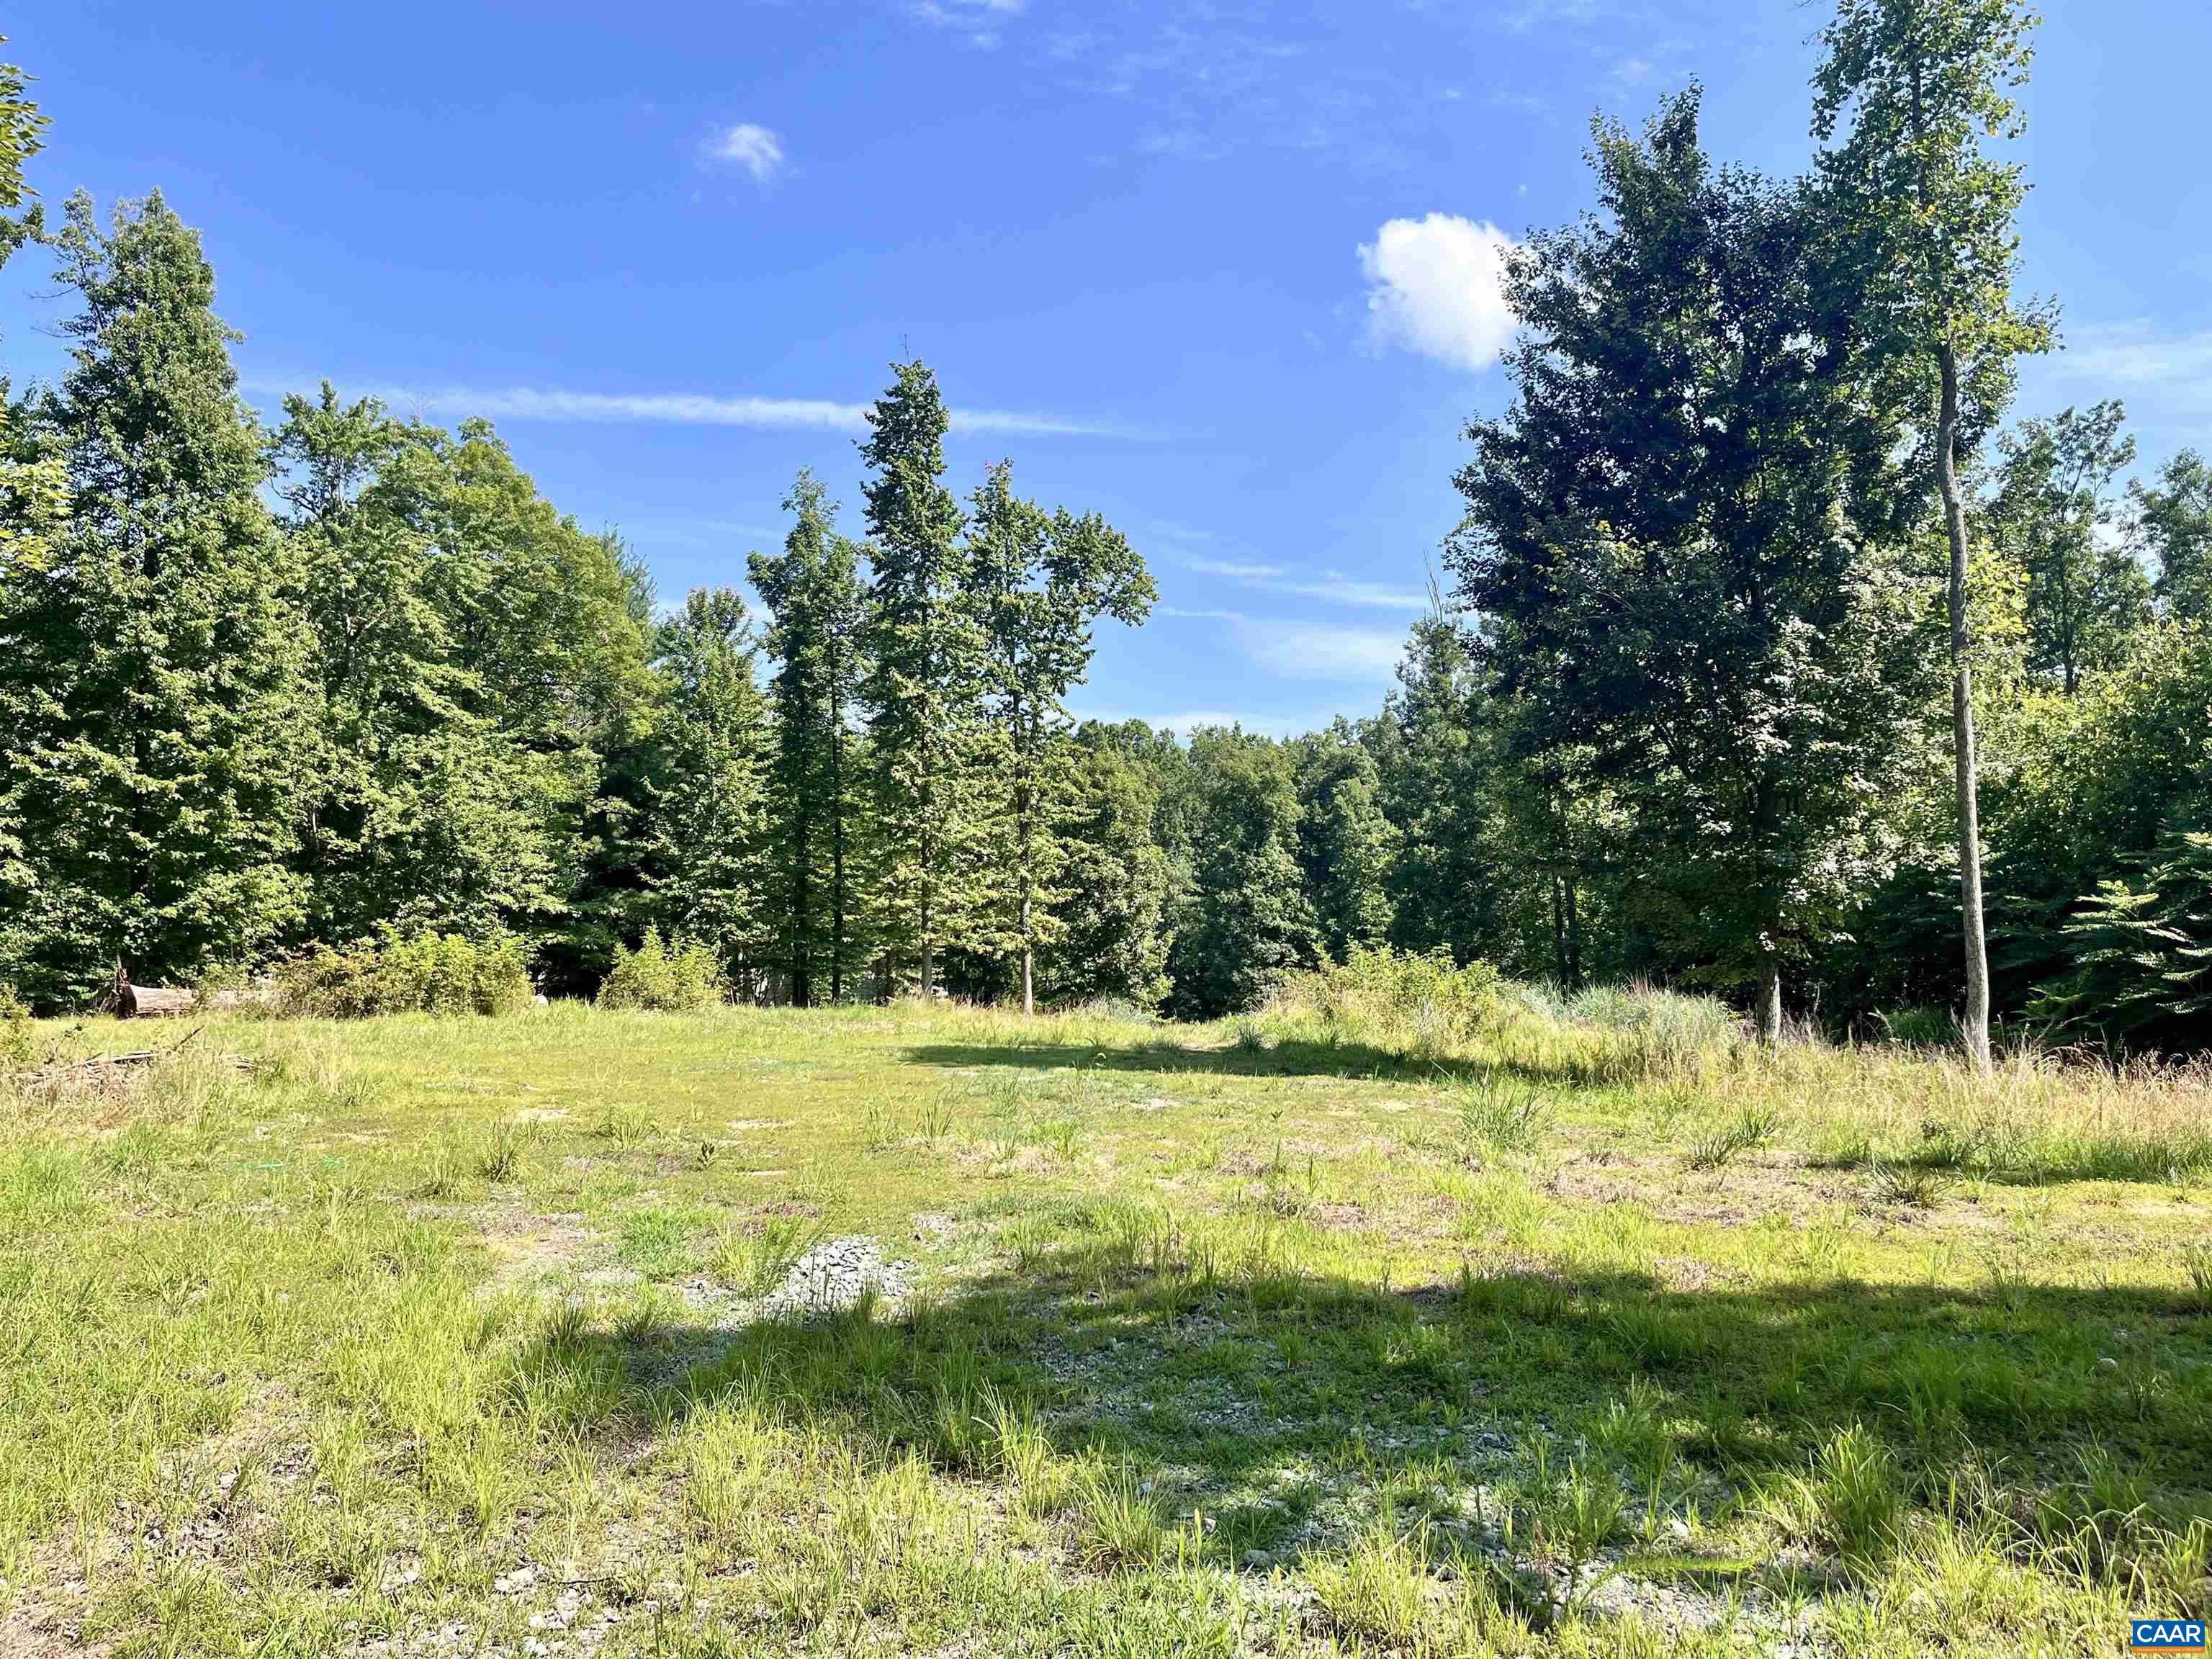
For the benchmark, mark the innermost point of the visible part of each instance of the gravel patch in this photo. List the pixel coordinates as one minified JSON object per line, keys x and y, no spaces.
{"x":832,"y":1277}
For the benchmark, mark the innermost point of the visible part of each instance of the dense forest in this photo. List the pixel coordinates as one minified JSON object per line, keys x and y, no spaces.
{"x":1773,"y":655}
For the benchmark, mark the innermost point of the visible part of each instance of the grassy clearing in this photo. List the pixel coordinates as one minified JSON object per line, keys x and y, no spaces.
{"x":1572,"y":1328}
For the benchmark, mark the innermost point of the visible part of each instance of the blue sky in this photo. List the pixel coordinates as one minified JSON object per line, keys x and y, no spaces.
{"x":1221,"y":271}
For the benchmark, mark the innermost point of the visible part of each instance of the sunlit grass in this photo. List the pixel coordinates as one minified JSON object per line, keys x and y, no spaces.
{"x":1329,"y":1331}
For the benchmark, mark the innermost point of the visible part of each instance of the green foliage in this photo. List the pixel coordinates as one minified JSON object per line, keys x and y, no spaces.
{"x":2140,"y":974}
{"x":152,"y":685}
{"x":395,"y":972}
{"x":17,"y":1042}
{"x":1038,"y":583}
{"x":475,"y":653}
{"x":667,"y":977}
{"x":1110,"y":936}
{"x":1245,"y":924}
{"x":1907,"y":93}
{"x":2173,"y":519}
{"x":1459,"y":875}
{"x":815,"y":607}
{"x":1678,"y":538}
{"x":704,"y":828}
{"x":1377,"y":989}
{"x":932,"y":883}
{"x":2086,"y":595}
{"x":1346,"y":844}
{"x":22,"y":134}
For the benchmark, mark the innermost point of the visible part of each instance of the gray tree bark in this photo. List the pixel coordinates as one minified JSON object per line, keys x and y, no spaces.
{"x":1975,"y":1024}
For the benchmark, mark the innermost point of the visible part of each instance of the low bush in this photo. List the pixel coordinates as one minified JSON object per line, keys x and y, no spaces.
{"x":671,"y":978}
{"x":1921,"y":1028}
{"x":15,"y":1039}
{"x":1422,"y":999}
{"x":399,"y":973}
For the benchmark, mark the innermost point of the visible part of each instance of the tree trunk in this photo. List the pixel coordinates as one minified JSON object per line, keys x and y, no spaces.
{"x":1976,"y":1024}
{"x":1768,"y":1014}
{"x":1574,"y":935}
{"x":928,"y":937}
{"x":1559,"y":931}
{"x":836,"y":847}
{"x":1028,"y":963}
{"x":802,"y":913}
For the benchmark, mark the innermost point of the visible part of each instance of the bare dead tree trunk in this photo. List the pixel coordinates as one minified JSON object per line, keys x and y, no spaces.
{"x":1977,"y":1021}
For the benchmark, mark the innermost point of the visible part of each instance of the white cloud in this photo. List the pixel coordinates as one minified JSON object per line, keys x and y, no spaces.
{"x":752,"y":147}
{"x":2135,"y":354}
{"x":690,"y":408}
{"x":1249,"y":573}
{"x":978,"y":20}
{"x":1333,"y":584}
{"x":1321,"y":651}
{"x":1437,"y":285}
{"x":1293,"y":650}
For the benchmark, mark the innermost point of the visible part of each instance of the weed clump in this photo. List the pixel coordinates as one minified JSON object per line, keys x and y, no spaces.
{"x":669,"y":978}
{"x":15,"y":1041}
{"x":1422,"y":1001}
{"x":1848,"y":1499}
{"x":395,"y":973}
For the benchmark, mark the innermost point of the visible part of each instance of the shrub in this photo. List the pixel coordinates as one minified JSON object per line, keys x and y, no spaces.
{"x":399,"y":973}
{"x":2141,"y":961}
{"x":1422,"y":998}
{"x":16,"y":1044}
{"x":1921,"y":1028}
{"x":658,"y":975}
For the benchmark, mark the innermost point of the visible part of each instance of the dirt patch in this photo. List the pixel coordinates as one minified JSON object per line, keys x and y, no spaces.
{"x":525,"y":1247}
{"x":1345,"y":1216}
{"x":1743,"y":1191}
{"x":50,"y":1628}
{"x":1683,"y":1272}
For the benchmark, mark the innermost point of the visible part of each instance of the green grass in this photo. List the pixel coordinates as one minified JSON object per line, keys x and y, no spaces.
{"x":1257,"y":1338}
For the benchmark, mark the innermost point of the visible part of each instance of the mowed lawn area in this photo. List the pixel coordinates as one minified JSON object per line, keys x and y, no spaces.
{"x":938,"y":1331}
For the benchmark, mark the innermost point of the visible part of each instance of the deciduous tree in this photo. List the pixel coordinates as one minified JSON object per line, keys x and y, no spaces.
{"x":1908,"y":94}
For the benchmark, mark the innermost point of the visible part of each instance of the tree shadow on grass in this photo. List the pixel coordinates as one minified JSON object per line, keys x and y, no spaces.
{"x":2117,"y":1156}
{"x":1269,"y":1414}
{"x":1357,"y":1061}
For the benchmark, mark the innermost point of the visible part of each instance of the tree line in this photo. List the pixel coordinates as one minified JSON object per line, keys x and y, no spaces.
{"x":1768,"y":658}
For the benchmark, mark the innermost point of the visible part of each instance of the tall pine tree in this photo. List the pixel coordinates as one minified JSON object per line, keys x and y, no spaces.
{"x":812,"y":593}
{"x":925,"y":678}
{"x":151,"y":665}
{"x":707,"y":823}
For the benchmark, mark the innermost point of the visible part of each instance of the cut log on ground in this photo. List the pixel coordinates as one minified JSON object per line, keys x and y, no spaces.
{"x":168,"y":1002}
{"x":154,"y":1001}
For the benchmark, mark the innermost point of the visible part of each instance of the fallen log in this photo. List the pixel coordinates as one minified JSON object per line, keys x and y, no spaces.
{"x":170,"y":1002}
{"x":154,"y":1001}
{"x":94,"y":1067}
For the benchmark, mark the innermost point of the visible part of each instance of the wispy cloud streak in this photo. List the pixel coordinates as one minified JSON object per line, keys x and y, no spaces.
{"x":695,"y":408}
{"x":1334,"y":586}
{"x":1295,"y":650}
